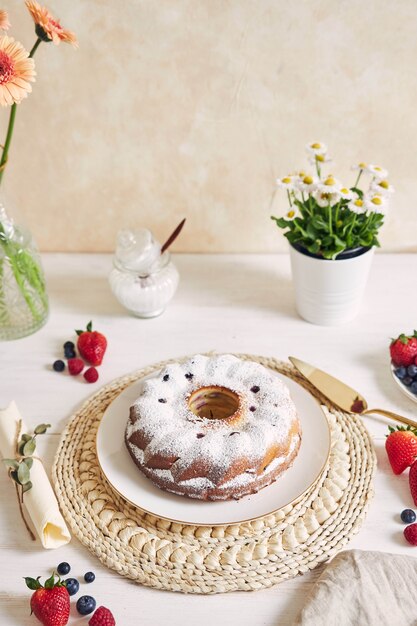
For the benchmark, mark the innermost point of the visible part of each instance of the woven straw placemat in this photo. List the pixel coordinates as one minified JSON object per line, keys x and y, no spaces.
{"x":195,"y":559}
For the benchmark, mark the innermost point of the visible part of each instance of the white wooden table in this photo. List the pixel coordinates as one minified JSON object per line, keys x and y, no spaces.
{"x":229,"y":303}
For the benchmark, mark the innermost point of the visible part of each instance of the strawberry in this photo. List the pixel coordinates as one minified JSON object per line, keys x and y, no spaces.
{"x":75,"y":366}
{"x":50,"y":603}
{"x":403,"y":350}
{"x":412,"y":479}
{"x":102,"y":617}
{"x":401,"y":447}
{"x":91,"y":345}
{"x":410,"y":533}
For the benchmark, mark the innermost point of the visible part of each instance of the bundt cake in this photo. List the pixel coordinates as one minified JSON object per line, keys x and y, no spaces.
{"x":213,"y":428}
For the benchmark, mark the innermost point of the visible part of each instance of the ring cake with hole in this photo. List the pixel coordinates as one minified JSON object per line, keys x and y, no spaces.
{"x":213,"y":428}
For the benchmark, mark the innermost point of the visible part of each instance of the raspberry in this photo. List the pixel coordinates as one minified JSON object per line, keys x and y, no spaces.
{"x":102,"y":617}
{"x":91,"y":375}
{"x":410,"y":533}
{"x":75,"y":366}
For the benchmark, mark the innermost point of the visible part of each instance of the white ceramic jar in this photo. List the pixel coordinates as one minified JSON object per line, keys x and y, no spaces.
{"x":329,"y":292}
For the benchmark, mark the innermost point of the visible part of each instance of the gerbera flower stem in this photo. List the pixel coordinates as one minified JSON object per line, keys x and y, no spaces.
{"x":10,"y":127}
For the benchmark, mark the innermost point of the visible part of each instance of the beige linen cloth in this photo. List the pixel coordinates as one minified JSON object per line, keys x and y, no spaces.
{"x":359,"y":588}
{"x":40,"y":501}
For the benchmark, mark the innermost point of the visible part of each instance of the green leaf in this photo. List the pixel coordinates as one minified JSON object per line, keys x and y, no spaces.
{"x":49,"y":584}
{"x":41,"y":429}
{"x":13,"y":474}
{"x":27,"y":486}
{"x":79,"y":332}
{"x":33,"y":583}
{"x":28,"y":462}
{"x":25,"y":437}
{"x":11,"y":463}
{"x":23,"y":473}
{"x":29,"y":447}
{"x":357,"y":191}
{"x":90,"y":326}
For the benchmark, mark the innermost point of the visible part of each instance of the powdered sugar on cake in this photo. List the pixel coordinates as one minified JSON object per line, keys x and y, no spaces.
{"x":175,"y":442}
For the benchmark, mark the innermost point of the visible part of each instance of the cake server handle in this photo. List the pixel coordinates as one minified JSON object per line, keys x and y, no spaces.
{"x":392,"y":415}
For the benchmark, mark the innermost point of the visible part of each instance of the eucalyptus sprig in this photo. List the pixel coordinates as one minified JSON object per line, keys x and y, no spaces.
{"x":19,"y":468}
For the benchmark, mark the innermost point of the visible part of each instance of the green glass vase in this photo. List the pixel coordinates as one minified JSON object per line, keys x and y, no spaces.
{"x":23,"y":296}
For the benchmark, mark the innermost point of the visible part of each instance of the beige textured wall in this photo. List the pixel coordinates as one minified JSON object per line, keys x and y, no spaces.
{"x":175,"y":108}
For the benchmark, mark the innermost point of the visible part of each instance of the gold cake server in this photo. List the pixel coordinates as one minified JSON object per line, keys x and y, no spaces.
{"x":341,"y":395}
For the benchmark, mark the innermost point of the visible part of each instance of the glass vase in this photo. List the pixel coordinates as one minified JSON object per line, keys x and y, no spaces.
{"x":23,"y":297}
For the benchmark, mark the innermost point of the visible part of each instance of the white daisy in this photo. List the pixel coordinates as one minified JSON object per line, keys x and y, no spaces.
{"x":325,"y":199}
{"x":377,"y":172}
{"x":360,"y":166}
{"x":316,"y":147}
{"x":330,"y":185}
{"x":292,"y":214}
{"x":345,"y":193}
{"x":375,"y":203}
{"x":287,"y":182}
{"x":357,"y":205}
{"x":382,"y":187}
{"x":318,"y":159}
{"x":307,"y":184}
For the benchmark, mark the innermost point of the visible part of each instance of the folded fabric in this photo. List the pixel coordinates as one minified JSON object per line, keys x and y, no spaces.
{"x":359,"y":588}
{"x":40,"y":501}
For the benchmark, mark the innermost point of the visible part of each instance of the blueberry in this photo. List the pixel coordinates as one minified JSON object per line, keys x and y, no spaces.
{"x":162,"y":400}
{"x":63,"y":569}
{"x":86,"y":605}
{"x":166,"y":377}
{"x":255,"y":389}
{"x":59,"y":366}
{"x":69,"y":353}
{"x":413,"y":387}
{"x":72,"y":586}
{"x":89,"y":577}
{"x":401,"y":372}
{"x":69,"y":344}
{"x":412,"y":370}
{"x":189,"y":376}
{"x":408,"y":516}
{"x":407,"y":381}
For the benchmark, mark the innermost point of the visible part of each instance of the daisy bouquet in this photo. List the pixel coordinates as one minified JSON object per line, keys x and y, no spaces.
{"x":18,"y":260}
{"x":326,"y":217}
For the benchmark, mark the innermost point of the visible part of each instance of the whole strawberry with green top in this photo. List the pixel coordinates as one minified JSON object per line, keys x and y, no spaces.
{"x":91,"y":345}
{"x":401,"y":447}
{"x":403,"y":350}
{"x":51,"y":602}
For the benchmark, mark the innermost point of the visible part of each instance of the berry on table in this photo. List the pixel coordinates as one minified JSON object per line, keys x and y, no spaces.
{"x":59,"y":365}
{"x":102,"y":617}
{"x":412,"y":481}
{"x":408,"y":516}
{"x":50,"y":602}
{"x":403,"y":350}
{"x":89,"y":577}
{"x":75,"y":366}
{"x":407,"y":380}
{"x":91,"y":375}
{"x":92,"y":345}
{"x":69,"y":345}
{"x":401,"y":372}
{"x":410,"y":533}
{"x":72,"y":586}
{"x":86,"y":605}
{"x":401,"y":447}
{"x":63,"y":568}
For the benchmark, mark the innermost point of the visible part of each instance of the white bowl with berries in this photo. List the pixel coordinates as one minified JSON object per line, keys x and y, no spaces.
{"x":403,"y":352}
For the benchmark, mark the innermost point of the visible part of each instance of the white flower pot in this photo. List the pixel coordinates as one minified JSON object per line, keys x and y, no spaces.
{"x":329,"y":292}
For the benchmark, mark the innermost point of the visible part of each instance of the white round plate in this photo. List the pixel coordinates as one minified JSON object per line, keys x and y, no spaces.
{"x":125,"y":477}
{"x":403,"y":388}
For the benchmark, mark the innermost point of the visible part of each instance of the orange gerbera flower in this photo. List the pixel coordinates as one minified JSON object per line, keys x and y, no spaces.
{"x":17,"y":71}
{"x":47,"y":27}
{"x":4,"y":20}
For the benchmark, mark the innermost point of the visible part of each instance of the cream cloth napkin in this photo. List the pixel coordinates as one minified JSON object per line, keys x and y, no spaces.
{"x":40,"y":501}
{"x":359,"y":588}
